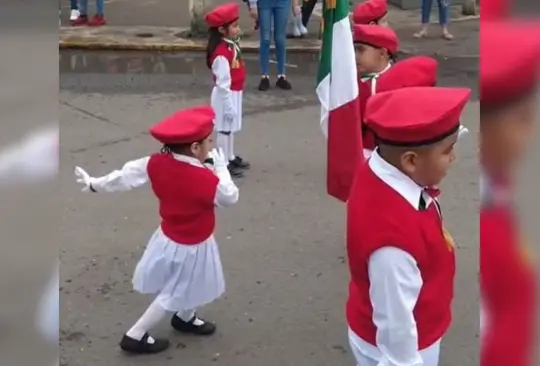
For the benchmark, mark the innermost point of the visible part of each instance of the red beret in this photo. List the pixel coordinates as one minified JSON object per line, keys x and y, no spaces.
{"x":369,"y":11}
{"x":376,"y":36}
{"x":222,"y":15}
{"x":185,"y":126}
{"x":417,"y":115}
{"x":414,"y":71}
{"x":495,"y":9}
{"x":510,"y":62}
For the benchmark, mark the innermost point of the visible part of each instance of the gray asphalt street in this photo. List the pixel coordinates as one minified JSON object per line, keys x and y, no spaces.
{"x":282,"y":245}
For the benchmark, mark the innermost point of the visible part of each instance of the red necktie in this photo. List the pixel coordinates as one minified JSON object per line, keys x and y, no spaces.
{"x":432,"y":192}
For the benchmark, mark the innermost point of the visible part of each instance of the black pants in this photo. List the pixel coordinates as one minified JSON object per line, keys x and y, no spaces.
{"x":307,"y":10}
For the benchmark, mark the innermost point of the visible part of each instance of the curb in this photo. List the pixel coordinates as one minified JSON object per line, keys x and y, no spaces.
{"x":199,"y":47}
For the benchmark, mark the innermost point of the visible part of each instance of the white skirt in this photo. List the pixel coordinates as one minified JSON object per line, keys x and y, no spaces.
{"x":184,"y":277}
{"x":217,"y":104}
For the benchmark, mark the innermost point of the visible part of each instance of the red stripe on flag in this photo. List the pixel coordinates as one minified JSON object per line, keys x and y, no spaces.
{"x":344,"y":149}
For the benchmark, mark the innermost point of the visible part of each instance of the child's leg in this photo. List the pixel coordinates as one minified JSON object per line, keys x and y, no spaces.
{"x":443,"y":18}
{"x":149,"y":320}
{"x":230,"y":147}
{"x":234,"y":159}
{"x":137,"y":339}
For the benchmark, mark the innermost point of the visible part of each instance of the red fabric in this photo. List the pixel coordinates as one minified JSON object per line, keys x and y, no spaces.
{"x":411,"y":72}
{"x":222,"y":15}
{"x":495,"y":10}
{"x":505,"y":75}
{"x":343,"y":158}
{"x":369,"y":11}
{"x":508,"y":290}
{"x":377,"y":216}
{"x":186,"y":196}
{"x":237,"y":66}
{"x":185,"y":126}
{"x":415,"y":114}
{"x":414,"y":71}
{"x":377,"y":36}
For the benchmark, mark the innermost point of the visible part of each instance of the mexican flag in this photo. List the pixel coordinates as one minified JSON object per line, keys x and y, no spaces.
{"x":337,"y":89}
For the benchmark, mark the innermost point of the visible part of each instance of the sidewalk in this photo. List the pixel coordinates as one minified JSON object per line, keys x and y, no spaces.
{"x":169,"y":39}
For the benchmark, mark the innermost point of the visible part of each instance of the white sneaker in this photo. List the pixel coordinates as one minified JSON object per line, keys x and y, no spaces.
{"x":303,"y":30}
{"x":74,"y":14}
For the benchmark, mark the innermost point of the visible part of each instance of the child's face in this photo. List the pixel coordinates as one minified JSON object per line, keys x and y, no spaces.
{"x":505,"y":135}
{"x":201,"y":150}
{"x":233,"y":30}
{"x":428,"y":165}
{"x":370,"y":59}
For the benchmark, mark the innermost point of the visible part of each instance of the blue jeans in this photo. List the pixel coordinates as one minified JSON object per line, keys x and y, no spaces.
{"x":83,"y":7}
{"x":444,"y":5}
{"x":276,"y":13}
{"x":73,"y":4}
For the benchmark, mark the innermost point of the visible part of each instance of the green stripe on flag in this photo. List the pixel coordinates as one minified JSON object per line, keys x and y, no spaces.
{"x":333,"y":12}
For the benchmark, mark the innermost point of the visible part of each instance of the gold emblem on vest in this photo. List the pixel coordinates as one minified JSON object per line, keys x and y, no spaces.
{"x":449,"y":240}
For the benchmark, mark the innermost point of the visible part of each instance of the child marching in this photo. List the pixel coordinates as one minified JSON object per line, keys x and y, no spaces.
{"x":372,"y":12}
{"x":181,"y":264}
{"x":224,"y":58}
{"x":401,"y":259}
{"x":507,"y":274}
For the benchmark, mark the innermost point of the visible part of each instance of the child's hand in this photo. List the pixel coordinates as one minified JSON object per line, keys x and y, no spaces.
{"x":83,"y":178}
{"x":297,"y":10}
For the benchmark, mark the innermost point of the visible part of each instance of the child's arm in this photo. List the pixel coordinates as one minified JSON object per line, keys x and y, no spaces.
{"x":396,"y":283}
{"x":222,"y":71}
{"x":227,"y":192}
{"x":132,"y":175}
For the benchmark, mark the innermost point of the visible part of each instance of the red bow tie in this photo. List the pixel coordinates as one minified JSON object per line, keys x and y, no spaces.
{"x":432,"y":192}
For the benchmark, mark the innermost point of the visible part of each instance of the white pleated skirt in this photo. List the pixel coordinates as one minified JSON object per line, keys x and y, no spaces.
{"x":217,"y":104}
{"x":184,"y":277}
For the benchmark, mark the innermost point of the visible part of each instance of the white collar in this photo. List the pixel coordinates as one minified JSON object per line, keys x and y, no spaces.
{"x":376,"y":75}
{"x":397,"y":180}
{"x":188,"y":159}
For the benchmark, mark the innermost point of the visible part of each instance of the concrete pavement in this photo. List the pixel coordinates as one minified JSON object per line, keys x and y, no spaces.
{"x":282,"y":245}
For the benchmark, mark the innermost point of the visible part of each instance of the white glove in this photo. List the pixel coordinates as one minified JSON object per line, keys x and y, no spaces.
{"x":220,"y":161}
{"x":228,"y":117}
{"x":83,"y":178}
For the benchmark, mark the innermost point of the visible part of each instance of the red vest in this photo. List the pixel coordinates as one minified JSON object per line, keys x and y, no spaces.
{"x":237,"y":67}
{"x":508,"y":291}
{"x":378,"y":216}
{"x":186,"y":198}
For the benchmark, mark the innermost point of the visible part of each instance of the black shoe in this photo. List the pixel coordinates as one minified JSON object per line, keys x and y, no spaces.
{"x":142,"y":347}
{"x":235,"y":171}
{"x":283,"y":83}
{"x":205,"y":329}
{"x":264,"y":85}
{"x":239,"y":163}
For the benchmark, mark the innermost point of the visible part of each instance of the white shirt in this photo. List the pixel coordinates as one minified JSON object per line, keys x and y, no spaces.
{"x":134,"y":174}
{"x":395,"y":285}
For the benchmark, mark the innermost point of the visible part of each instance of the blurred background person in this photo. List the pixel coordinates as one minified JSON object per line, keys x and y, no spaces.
{"x":444,"y":18}
{"x":508,"y":106}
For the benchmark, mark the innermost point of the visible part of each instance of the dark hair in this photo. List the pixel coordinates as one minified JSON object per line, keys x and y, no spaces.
{"x":183,"y":149}
{"x":214,"y":39}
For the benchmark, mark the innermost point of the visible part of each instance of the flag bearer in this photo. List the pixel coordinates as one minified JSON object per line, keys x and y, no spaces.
{"x":508,"y":107}
{"x":401,"y":258}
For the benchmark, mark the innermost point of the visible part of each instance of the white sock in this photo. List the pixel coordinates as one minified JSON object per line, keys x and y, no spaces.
{"x":187,"y":315}
{"x":150,"y":319}
{"x":222,"y":142}
{"x":230,"y":146}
